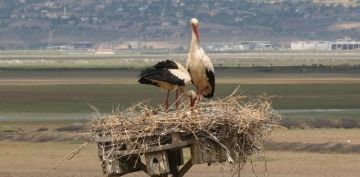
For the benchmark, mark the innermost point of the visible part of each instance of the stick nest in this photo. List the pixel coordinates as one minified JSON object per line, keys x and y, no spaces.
{"x":243,"y":121}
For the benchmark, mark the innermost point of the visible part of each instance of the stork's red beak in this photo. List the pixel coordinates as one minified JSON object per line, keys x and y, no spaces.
{"x":196,"y":31}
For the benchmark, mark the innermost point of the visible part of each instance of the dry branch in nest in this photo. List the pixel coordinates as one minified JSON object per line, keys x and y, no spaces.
{"x":238,"y":124}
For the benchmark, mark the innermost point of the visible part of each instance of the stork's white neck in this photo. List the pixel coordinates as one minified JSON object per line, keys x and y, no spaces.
{"x":190,"y":93}
{"x":195,"y":42}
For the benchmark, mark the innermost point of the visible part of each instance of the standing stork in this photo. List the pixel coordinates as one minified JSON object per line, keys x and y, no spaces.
{"x":170,"y":76}
{"x":199,"y":65}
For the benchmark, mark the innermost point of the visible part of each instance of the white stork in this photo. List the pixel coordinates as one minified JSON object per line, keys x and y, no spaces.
{"x":169,"y":76}
{"x":199,"y":65}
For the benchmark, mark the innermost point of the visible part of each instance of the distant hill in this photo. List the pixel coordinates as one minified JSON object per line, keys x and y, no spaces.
{"x":32,"y":21}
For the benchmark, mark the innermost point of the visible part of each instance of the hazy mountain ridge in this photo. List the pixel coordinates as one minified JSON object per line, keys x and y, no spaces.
{"x":110,"y":20}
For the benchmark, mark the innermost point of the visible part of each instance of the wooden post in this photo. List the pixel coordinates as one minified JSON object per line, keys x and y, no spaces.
{"x":185,"y":168}
{"x":157,"y":163}
{"x":160,"y":160}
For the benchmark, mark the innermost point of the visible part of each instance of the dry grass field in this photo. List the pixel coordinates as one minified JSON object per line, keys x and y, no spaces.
{"x":28,"y":152}
{"x":26,"y":159}
{"x":349,"y":136}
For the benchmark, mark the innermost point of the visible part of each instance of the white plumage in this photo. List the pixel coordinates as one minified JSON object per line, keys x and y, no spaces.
{"x":199,"y":65}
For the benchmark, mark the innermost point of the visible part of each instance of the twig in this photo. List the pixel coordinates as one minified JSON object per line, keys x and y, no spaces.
{"x":252,"y":168}
{"x":71,"y":154}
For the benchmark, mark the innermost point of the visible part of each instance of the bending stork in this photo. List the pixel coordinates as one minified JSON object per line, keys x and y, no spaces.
{"x":199,"y":65}
{"x":170,"y":76}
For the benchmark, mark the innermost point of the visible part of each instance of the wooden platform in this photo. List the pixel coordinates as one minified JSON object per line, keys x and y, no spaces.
{"x":163,"y":157}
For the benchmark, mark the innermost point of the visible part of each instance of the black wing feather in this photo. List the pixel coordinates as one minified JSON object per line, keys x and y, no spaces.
{"x":167,"y":64}
{"x":150,"y":75}
{"x":144,"y":80}
{"x":211,"y":78}
{"x":191,"y":77}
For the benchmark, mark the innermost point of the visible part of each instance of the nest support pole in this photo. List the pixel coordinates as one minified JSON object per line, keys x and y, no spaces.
{"x":175,"y":172}
{"x":158,"y":161}
{"x":184,"y":169}
{"x":175,"y":159}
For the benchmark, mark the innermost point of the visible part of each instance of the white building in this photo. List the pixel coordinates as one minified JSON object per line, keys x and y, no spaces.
{"x":132,"y":45}
{"x":345,"y":44}
{"x":310,"y":45}
{"x":241,"y":46}
{"x":104,"y":51}
{"x":262,"y":45}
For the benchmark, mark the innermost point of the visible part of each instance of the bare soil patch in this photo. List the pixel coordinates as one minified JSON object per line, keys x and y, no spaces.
{"x":321,"y":123}
{"x":313,"y":147}
{"x":348,"y":136}
{"x":37,"y":159}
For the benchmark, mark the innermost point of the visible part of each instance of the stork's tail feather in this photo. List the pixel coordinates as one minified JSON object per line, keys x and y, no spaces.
{"x":143,"y":80}
{"x":144,"y":76}
{"x":147,"y":72}
{"x":211,"y":78}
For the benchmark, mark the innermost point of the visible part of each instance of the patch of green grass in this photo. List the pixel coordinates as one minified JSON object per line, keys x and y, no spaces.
{"x":305,"y":96}
{"x":77,"y":98}
{"x":73,"y":98}
{"x":7,"y":128}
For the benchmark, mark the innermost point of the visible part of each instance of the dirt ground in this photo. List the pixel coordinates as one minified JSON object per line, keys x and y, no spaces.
{"x":30,"y":159}
{"x":23,"y":159}
{"x":333,"y":135}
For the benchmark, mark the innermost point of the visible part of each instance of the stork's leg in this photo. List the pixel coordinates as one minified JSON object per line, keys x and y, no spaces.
{"x":199,"y":97}
{"x":195,"y":100}
{"x":192,"y":101}
{"x":167,"y":100}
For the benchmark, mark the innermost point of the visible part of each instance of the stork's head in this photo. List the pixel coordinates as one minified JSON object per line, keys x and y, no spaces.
{"x":192,"y":96}
{"x":194,"y":21}
{"x":195,"y":28}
